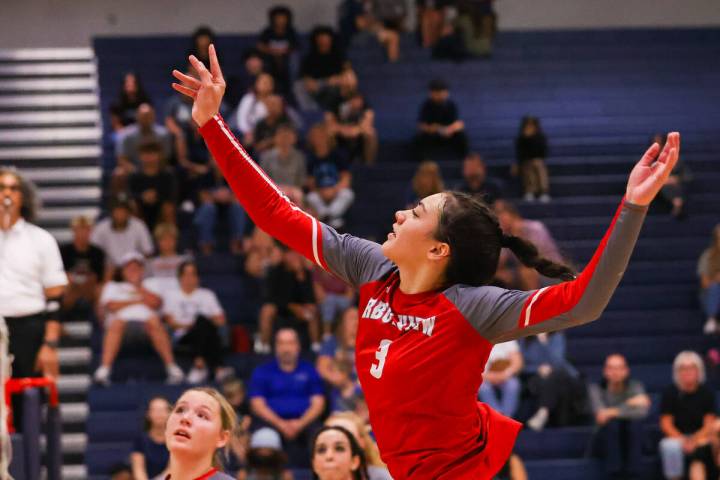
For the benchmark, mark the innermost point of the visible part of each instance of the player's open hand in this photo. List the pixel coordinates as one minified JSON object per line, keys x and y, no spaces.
{"x":207,"y":91}
{"x":651,"y":172}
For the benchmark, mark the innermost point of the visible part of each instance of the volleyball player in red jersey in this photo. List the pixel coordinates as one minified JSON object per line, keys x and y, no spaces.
{"x":428,"y":319}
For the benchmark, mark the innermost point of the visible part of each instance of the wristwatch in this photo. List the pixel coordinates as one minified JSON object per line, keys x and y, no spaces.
{"x":54,"y":344}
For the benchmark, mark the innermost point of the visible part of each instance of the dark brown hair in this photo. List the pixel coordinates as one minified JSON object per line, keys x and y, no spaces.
{"x":358,"y":474}
{"x":473,"y":232}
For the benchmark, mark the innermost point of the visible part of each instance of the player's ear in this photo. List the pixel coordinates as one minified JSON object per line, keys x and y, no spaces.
{"x":439,"y":251}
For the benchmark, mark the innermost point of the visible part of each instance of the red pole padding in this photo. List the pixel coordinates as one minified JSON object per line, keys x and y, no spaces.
{"x":17,"y":385}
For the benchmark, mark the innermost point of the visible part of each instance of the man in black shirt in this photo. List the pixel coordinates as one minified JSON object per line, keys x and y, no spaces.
{"x":440,"y":129}
{"x":84,"y":264}
{"x":277,"y":42}
{"x":153,"y":187}
{"x":320,"y":71}
{"x":290,"y":297}
{"x":477,"y":183}
{"x":687,"y":417}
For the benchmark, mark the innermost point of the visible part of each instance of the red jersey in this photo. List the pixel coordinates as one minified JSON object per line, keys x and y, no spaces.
{"x":420,"y":357}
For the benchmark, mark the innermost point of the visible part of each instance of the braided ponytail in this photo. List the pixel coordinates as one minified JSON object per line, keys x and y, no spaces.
{"x":529,"y":256}
{"x":473,"y":232}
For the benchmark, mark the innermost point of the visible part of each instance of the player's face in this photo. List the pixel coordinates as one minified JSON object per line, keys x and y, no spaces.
{"x":194,"y":427}
{"x":347,"y":424}
{"x":332,"y":457}
{"x":412,"y":235}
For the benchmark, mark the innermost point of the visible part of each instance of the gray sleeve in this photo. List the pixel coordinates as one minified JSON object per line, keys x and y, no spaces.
{"x":633,"y":413}
{"x":500,"y":315}
{"x":596,"y":398}
{"x":353,"y":259}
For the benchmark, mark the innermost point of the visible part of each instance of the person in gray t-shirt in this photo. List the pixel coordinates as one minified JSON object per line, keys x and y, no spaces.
{"x":619,"y":404}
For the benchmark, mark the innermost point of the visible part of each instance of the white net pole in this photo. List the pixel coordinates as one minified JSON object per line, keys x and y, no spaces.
{"x":5,"y":446}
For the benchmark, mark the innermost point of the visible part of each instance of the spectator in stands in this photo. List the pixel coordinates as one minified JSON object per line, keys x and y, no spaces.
{"x":336,"y":363}
{"x":202,"y":37}
{"x":619,"y":405}
{"x":382,"y":19}
{"x":266,"y":458}
{"x":477,"y":24}
{"x":476,"y":181}
{"x":120,"y":471}
{"x":278,"y":41}
{"x":708,"y":269}
{"x":262,"y":253}
{"x":233,"y":389}
{"x":501,"y":388}
{"x":287,"y":394}
{"x":329,"y":201}
{"x":149,"y":457}
{"x":552,"y":381}
{"x":514,"y":469}
{"x":426,"y":181}
{"x":510,"y":270}
{"x":253,"y":66}
{"x":201,"y":423}
{"x":130,"y":301}
{"x":178,"y":111}
{"x":252,"y":107}
{"x":84,"y":264}
{"x":352,"y":124}
{"x":440,"y":129}
{"x":687,"y":415}
{"x":320,"y":71}
{"x":153,"y":187}
{"x":333,"y":296}
{"x":431,"y":15}
{"x":120,"y":234}
{"x":284,"y":163}
{"x":194,"y":316}
{"x":321,"y":150}
{"x":163,"y":268}
{"x":128,"y":148}
{"x":123,"y":111}
{"x":278,"y":114}
{"x":289,"y":298}
{"x":531,"y":151}
{"x":377,"y":470}
{"x":673,"y":192}
{"x":450,"y":45}
{"x":196,"y":171}
{"x":336,"y":454}
{"x":206,"y":216}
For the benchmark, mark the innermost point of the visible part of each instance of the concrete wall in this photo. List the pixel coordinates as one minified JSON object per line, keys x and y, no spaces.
{"x":48,"y":23}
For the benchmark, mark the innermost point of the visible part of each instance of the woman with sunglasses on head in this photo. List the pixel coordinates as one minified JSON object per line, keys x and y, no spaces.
{"x":429,"y":318}
{"x":199,"y":426}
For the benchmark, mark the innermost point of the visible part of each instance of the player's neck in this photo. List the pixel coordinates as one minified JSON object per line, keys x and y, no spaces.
{"x":9,"y":220}
{"x":418,"y":280}
{"x":188,"y":468}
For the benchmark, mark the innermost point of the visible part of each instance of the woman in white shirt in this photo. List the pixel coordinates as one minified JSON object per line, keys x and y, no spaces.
{"x":194,"y":314}
{"x":252,"y":106}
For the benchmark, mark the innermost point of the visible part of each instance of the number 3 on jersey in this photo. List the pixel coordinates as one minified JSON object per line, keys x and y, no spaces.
{"x":376,"y":370}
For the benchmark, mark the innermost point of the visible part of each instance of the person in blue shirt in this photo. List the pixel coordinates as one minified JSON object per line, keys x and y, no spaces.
{"x":287,"y":395}
{"x":552,"y":380}
{"x":149,"y":457}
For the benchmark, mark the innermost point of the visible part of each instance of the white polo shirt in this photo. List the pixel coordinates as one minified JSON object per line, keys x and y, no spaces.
{"x":30,"y":262}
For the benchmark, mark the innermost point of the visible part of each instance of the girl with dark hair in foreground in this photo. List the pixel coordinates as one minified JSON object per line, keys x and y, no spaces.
{"x":429,"y":318}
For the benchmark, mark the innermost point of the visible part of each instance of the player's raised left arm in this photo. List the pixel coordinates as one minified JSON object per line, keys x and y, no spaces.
{"x":500,"y":315}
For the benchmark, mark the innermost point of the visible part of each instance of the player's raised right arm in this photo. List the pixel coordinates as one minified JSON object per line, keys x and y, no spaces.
{"x":353,"y":259}
{"x":264,"y":202}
